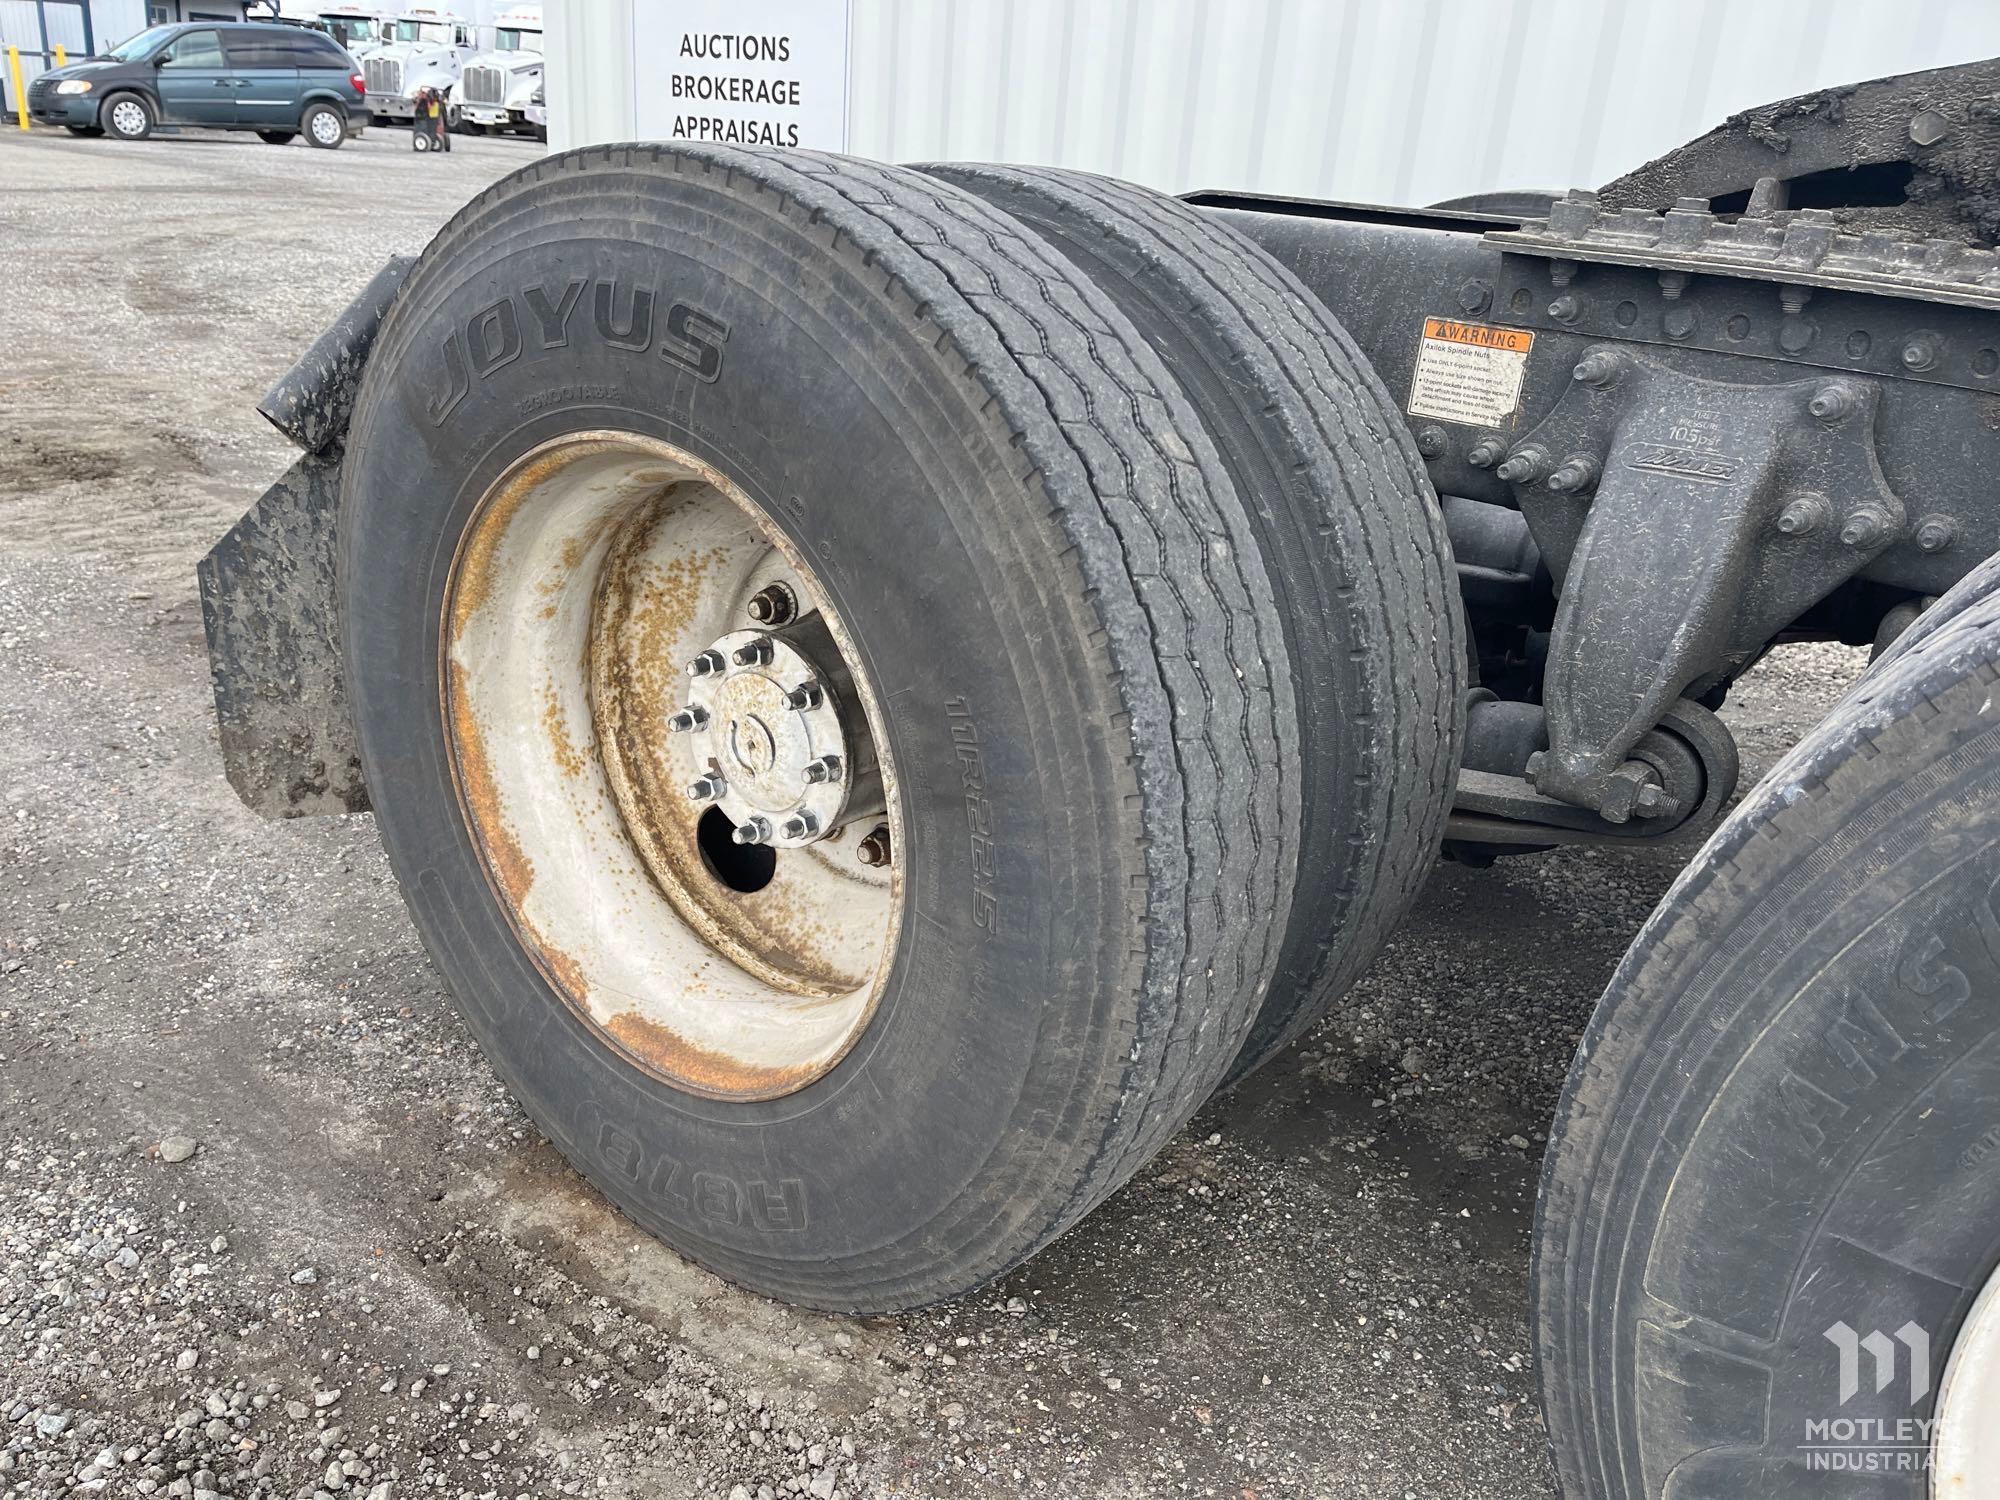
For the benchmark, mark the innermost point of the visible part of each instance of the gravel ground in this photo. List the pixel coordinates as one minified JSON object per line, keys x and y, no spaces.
{"x":268,"y":1224}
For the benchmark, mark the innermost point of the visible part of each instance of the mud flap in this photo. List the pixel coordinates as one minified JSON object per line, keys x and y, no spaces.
{"x":267,"y":605}
{"x":267,"y":590}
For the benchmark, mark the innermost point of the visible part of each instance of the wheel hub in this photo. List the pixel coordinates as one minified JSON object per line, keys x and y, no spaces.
{"x":764,"y":724}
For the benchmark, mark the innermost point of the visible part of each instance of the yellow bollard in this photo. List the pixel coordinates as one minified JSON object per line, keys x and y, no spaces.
{"x":20,"y":88}
{"x":62,"y":57}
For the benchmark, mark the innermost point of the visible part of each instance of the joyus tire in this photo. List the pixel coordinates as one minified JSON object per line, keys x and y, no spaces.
{"x":1351,"y":536}
{"x":1770,"y":1214}
{"x":959,"y":578}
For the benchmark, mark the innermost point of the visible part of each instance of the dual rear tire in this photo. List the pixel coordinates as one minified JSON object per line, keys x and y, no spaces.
{"x":1768,"y":1252}
{"x":1075,"y":604}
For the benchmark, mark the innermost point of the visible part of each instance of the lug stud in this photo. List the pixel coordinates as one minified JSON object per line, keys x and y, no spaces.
{"x":1834,"y":402}
{"x":1487,"y":452}
{"x":691,"y":717}
{"x":1802,"y":516}
{"x":874,"y":850}
{"x":707,"y":787}
{"x":806,"y":695}
{"x":1578,"y":472}
{"x":755,"y":653}
{"x":773,"y":604}
{"x":1524,"y":466}
{"x":1866,"y":526}
{"x":707,"y":664}
{"x":756,"y":831}
{"x":801,"y":825}
{"x":822,"y":770}
{"x":1935,"y":533}
{"x":1598,"y":367}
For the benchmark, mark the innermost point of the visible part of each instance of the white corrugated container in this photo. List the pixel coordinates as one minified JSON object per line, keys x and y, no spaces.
{"x":1406,"y":102}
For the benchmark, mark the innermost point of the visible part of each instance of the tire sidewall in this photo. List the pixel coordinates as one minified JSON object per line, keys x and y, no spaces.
{"x":1794,"y":1071}
{"x":1010,"y":894}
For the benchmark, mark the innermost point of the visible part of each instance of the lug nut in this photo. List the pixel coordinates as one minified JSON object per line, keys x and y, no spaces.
{"x":1866,"y":526}
{"x":756,"y":831}
{"x":1598,"y":367}
{"x":801,"y":825}
{"x":1567,"y":308}
{"x":707,"y":787}
{"x":1579,"y":471}
{"x":825,"y":769}
{"x":772,"y":605}
{"x":806,"y":695}
{"x":1524,"y":466}
{"x":874,"y":850}
{"x":755,"y":653}
{"x":1487,"y":452}
{"x":1835,"y":401}
{"x":1802,"y":516}
{"x":706,"y":665}
{"x":691,"y":717}
{"x":1920,"y":353}
{"x":1431,"y":440}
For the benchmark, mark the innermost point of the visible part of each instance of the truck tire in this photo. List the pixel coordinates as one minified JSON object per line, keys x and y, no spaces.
{"x":1770,"y":1211}
{"x":1352,"y":538}
{"x":1951,"y":604}
{"x":629,"y":398}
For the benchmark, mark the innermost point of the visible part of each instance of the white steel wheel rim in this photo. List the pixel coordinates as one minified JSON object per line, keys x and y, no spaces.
{"x":1965,"y":1453}
{"x":584,"y":581}
{"x":128,"y":117}
{"x":325,"y":128}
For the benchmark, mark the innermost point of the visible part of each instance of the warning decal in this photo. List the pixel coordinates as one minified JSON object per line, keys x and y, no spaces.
{"x":1469,"y":372}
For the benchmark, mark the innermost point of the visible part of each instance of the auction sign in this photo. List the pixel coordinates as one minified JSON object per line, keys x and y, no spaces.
{"x":741,"y":72}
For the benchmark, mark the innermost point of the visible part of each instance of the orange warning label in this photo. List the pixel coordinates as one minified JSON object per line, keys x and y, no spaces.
{"x":1469,"y":372}
{"x":1514,"y":340}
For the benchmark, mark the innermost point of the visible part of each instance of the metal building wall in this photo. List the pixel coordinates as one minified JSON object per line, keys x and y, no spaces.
{"x":1400,"y":101}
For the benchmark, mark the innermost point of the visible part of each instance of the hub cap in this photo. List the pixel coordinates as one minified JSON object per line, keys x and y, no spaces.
{"x":686,"y":854}
{"x":325,"y":128}
{"x":128,"y":117}
{"x":765,"y":728}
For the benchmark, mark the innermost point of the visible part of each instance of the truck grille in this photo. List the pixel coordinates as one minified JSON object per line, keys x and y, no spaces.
{"x":483,"y":86}
{"x":384,"y":75}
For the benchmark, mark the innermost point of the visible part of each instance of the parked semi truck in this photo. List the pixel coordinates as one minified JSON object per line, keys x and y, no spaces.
{"x":360,"y":29}
{"x":497,"y":87}
{"x":422,"y":48}
{"x":885,"y":687}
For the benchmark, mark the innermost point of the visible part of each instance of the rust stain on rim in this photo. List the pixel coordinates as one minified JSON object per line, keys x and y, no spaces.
{"x":792,"y":934}
{"x":635,"y":680}
{"x":709,"y":1072}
